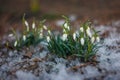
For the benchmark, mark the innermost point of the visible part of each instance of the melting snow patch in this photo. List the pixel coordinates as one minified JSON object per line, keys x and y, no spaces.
{"x":25,"y":76}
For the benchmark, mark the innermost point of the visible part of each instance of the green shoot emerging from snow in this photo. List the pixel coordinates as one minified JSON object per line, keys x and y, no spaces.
{"x":82,"y":43}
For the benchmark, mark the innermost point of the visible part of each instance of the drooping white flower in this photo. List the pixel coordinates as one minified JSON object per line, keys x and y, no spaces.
{"x":98,"y":39}
{"x":27,"y":25}
{"x":64,"y":31}
{"x":41,"y":35}
{"x":24,"y":37}
{"x":92,"y":39}
{"x":64,"y":37}
{"x":33,"y":25}
{"x":15,"y":44}
{"x":81,"y":29}
{"x":10,"y":35}
{"x":49,"y":32}
{"x":45,"y":27}
{"x":67,"y":26}
{"x":82,"y":41}
{"x":74,"y":36}
{"x":89,"y":32}
{"x":48,"y":38}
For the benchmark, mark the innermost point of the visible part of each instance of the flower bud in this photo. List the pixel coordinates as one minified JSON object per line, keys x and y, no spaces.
{"x":45,"y":27}
{"x":15,"y":44}
{"x":27,"y":25}
{"x":41,"y":35}
{"x":97,"y":39}
{"x":48,"y":38}
{"x":24,"y":37}
{"x":81,"y":29}
{"x":64,"y":37}
{"x":88,"y":32}
{"x":33,"y":25}
{"x":74,"y":36}
{"x":82,"y":41}
{"x":66,"y":26}
{"x":49,"y":32}
{"x":93,"y":39}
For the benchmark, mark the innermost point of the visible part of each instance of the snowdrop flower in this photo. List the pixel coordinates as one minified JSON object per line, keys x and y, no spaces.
{"x":88,"y":32}
{"x":48,"y":38}
{"x":64,"y":31}
{"x":74,"y":36}
{"x":41,"y":35}
{"x":97,"y":39}
{"x":82,"y":41}
{"x":49,"y":32}
{"x":93,"y":39}
{"x":64,"y":37}
{"x":10,"y":35}
{"x":45,"y":27}
{"x":15,"y":44}
{"x":81,"y":29}
{"x":24,"y":37}
{"x":27,"y":25}
{"x":33,"y":25}
{"x":66,"y":26}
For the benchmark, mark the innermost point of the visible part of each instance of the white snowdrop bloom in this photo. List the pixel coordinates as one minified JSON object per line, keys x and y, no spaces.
{"x":24,"y":37}
{"x":82,"y":41}
{"x":66,"y":26}
{"x":74,"y":36}
{"x":98,"y":39}
{"x":89,"y":32}
{"x":48,"y":38}
{"x":93,"y":39}
{"x":81,"y":29}
{"x":45,"y":27}
{"x":64,"y":37}
{"x":27,"y":25}
{"x":49,"y":32}
{"x":33,"y":25}
{"x":41,"y":35}
{"x":10,"y":35}
{"x":64,"y":31}
{"x":15,"y":44}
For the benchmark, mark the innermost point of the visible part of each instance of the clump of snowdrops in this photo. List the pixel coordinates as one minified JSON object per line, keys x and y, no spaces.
{"x":82,"y":43}
{"x":31,"y":35}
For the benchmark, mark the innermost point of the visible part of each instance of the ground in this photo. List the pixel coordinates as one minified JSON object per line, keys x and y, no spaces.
{"x":37,"y":63}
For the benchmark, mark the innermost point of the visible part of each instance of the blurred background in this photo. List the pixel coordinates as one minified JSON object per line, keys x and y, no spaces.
{"x":12,"y":11}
